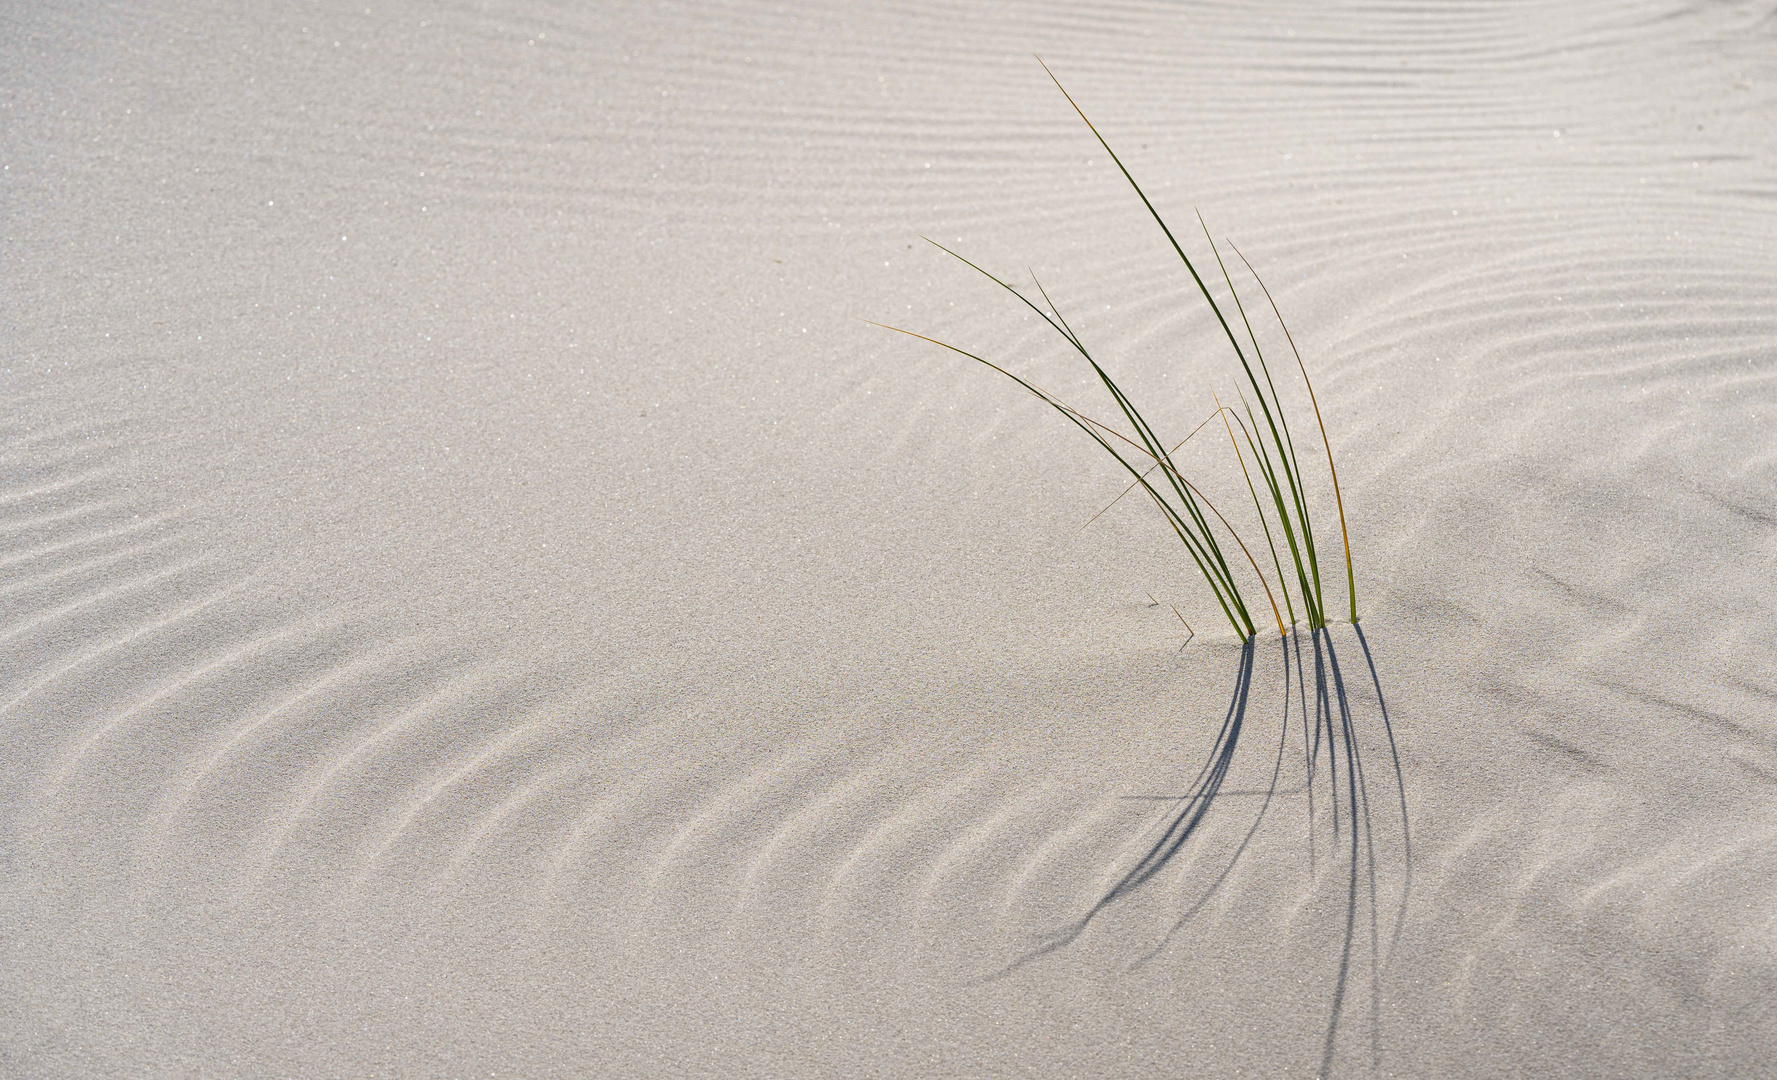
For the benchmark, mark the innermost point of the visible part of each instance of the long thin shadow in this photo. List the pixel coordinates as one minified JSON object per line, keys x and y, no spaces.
{"x":1332,"y":752}
{"x":1342,"y":739}
{"x":1400,"y":783}
{"x":1356,"y":794}
{"x":1252,"y":830}
{"x":1178,"y":829}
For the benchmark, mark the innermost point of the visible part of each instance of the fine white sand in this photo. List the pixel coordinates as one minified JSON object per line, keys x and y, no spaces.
{"x":479,"y":600}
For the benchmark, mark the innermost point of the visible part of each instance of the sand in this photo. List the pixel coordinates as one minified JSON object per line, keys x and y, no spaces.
{"x":479,"y":600}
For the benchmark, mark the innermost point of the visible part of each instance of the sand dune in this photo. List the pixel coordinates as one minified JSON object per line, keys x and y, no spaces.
{"x":477,"y":599}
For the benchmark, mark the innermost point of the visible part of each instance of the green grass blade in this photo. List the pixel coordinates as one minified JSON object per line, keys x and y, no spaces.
{"x":1149,"y":471}
{"x":1153,"y":447}
{"x":1269,"y":472}
{"x":1229,"y":604}
{"x":1151,"y":444}
{"x":1286,"y":448}
{"x":1345,"y":533}
{"x":1257,"y":509}
{"x":1202,"y":288}
{"x":1158,"y":220}
{"x":1180,"y":501}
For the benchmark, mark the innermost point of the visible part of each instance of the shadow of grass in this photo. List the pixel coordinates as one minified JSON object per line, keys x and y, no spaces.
{"x":1316,"y":699}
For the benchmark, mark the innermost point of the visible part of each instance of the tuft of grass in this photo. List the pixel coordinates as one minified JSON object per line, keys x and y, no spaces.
{"x":1279,"y":496}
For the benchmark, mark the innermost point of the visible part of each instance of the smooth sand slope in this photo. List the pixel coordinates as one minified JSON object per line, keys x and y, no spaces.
{"x":476,"y":598}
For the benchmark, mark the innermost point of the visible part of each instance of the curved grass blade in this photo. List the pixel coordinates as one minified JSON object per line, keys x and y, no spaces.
{"x":1345,"y":534}
{"x":1286,"y":448}
{"x":1222,"y":411}
{"x":1199,"y":541}
{"x":1154,"y":448}
{"x":1269,"y":473}
{"x":1148,"y":472}
{"x":1219,"y":586}
{"x":1151,"y":444}
{"x":1158,"y":220}
{"x":1202,"y":288}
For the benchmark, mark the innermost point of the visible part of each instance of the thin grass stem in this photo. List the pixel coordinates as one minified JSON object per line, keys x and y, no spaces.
{"x":1148,"y":472}
{"x":1150,"y":443}
{"x":1286,"y":449}
{"x":1344,"y":533}
{"x":1269,"y":472}
{"x":1259,"y":510}
{"x":1182,"y":503}
{"x":1203,"y":288}
{"x":1221,"y":587}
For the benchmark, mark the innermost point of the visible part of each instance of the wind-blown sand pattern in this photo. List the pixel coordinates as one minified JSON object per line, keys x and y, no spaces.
{"x":477,"y":599}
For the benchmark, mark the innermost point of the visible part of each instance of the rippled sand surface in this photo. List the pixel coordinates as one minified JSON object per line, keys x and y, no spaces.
{"x":477,"y":599}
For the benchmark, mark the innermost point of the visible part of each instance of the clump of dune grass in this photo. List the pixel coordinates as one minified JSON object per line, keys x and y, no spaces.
{"x":1279,"y":493}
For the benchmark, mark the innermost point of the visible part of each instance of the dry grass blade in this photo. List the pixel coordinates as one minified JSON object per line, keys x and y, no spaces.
{"x":1150,"y":471}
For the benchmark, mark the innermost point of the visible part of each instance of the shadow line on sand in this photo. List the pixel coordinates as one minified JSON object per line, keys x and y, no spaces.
{"x":1332,"y":743}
